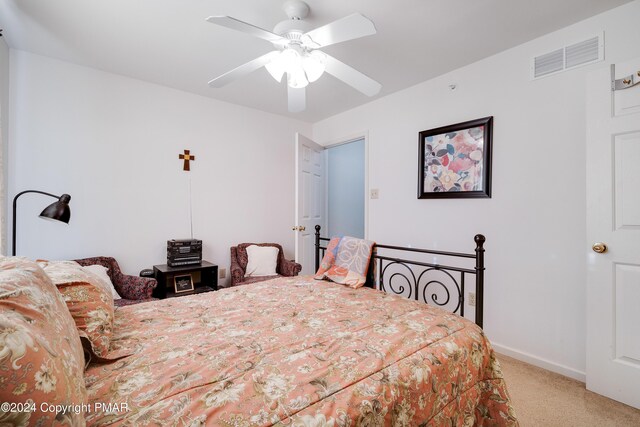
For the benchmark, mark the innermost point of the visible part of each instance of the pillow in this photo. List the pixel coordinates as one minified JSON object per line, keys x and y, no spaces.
{"x":346,"y":261}
{"x":262,"y":261}
{"x":101,"y":272}
{"x":329,"y":257}
{"x":40,"y":350}
{"x":89,"y":301}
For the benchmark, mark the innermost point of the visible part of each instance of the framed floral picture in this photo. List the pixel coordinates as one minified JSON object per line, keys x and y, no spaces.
{"x":455,"y":161}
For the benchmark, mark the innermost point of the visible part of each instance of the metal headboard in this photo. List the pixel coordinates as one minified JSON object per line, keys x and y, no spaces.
{"x":379,"y":265}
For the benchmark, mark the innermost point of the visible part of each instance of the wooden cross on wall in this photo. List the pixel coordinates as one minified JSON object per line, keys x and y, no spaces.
{"x":186,"y":157}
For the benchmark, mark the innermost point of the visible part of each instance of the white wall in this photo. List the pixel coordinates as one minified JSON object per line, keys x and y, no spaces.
{"x":4,"y":137}
{"x":112,"y":143}
{"x":345,"y":188}
{"x":535,"y":221}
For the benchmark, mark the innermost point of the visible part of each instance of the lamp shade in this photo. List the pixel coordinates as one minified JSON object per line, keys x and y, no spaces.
{"x":313,"y":64}
{"x":276,"y":67}
{"x":58,"y":210}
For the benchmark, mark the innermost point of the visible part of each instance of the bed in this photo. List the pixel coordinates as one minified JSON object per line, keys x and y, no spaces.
{"x":295,"y":351}
{"x":291,"y":351}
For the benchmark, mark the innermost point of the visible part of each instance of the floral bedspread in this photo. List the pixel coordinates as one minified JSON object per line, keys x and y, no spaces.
{"x":298,"y":352}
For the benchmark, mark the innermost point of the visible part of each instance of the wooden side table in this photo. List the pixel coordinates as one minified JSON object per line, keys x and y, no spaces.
{"x":204,"y":277}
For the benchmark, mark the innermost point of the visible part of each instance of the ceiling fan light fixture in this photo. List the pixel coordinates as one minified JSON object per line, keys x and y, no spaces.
{"x":295,"y":52}
{"x":289,"y":61}
{"x":313,"y":64}
{"x":285,"y":62}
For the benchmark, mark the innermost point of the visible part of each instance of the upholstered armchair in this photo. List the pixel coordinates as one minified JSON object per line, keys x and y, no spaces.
{"x":239,"y":261}
{"x":132,"y":289}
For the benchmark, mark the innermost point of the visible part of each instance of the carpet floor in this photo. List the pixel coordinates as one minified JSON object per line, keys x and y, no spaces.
{"x":546,"y":399}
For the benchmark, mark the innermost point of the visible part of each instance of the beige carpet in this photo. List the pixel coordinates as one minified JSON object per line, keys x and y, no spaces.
{"x":542,"y":398}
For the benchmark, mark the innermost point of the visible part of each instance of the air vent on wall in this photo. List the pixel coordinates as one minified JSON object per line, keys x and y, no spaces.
{"x":572,"y":56}
{"x":548,"y":63}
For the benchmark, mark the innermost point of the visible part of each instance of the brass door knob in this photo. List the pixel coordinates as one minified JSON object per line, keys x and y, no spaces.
{"x":299,"y":228}
{"x":599,"y":247}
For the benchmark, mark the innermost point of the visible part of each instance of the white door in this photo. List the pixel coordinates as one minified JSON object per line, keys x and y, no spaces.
{"x":613,"y":218}
{"x":310,"y":199}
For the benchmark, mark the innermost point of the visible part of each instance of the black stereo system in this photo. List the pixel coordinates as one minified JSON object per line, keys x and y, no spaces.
{"x":184,"y":252}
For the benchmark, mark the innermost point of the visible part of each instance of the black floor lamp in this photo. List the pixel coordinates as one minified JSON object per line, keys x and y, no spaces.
{"x":58,"y":211}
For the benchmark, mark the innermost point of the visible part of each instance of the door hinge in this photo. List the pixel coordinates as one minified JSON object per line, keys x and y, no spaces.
{"x":625,"y":82}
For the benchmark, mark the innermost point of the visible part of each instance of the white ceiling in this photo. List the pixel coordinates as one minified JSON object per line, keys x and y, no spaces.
{"x":169,"y":42}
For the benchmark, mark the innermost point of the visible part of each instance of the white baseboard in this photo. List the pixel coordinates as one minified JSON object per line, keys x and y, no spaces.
{"x":540,"y":362}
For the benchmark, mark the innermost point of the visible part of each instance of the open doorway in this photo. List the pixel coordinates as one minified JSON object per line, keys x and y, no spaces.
{"x":346,"y":189}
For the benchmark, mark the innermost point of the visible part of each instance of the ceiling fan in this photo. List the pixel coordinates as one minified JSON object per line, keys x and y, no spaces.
{"x":297,"y":53}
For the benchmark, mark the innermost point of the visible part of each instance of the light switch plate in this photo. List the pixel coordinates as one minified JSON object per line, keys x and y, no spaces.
{"x":222,"y":273}
{"x":472,"y":299}
{"x":375,"y":193}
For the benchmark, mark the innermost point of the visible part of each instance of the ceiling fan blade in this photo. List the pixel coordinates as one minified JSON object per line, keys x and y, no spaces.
{"x":347,"y":28}
{"x":243,"y":70}
{"x":244,"y":27}
{"x":351,"y":76}
{"x":297,"y":99}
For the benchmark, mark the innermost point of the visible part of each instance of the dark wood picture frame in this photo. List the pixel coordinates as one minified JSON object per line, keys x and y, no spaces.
{"x":436,"y":159}
{"x":183,"y":283}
